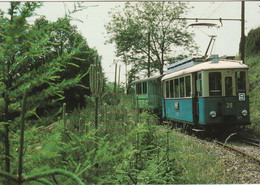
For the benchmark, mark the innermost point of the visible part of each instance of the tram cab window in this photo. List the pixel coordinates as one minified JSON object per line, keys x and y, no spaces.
{"x":167,"y":89}
{"x":228,"y":86}
{"x":144,"y":87}
{"x":182,"y":87}
{"x":215,"y":84}
{"x":187,"y":86}
{"x":176,"y":88}
{"x":171,"y":89}
{"x":241,"y":81}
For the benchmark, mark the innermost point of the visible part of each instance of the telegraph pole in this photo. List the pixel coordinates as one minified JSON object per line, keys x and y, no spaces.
{"x":115,"y":76}
{"x":126,"y":77}
{"x":115,"y":98}
{"x":149,"y":59}
{"x":119,"y":70}
{"x":243,"y":39}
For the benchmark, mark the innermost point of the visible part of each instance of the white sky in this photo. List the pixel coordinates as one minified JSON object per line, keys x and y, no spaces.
{"x":94,"y":19}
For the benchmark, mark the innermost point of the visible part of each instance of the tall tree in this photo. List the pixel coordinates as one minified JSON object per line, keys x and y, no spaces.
{"x":252,"y":46}
{"x":77,"y":56}
{"x":33,"y":59}
{"x":150,"y":30}
{"x":49,"y":59}
{"x":13,"y":55}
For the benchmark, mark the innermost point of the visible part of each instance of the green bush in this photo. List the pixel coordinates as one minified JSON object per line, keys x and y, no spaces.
{"x":254,"y":79}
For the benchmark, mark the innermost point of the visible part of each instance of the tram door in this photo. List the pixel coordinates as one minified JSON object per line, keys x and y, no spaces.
{"x":197,"y":92}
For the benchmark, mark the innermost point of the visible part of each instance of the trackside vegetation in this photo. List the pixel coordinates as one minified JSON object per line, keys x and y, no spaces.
{"x":254,"y":66}
{"x":61,"y":123}
{"x":129,"y":147}
{"x":253,"y":61}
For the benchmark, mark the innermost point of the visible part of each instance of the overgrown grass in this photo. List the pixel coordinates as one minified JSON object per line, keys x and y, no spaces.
{"x":128,"y":148}
{"x":199,"y":163}
{"x":254,"y":78}
{"x":125,"y":149}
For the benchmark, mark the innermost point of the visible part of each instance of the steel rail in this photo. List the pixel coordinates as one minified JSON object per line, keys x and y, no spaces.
{"x":239,"y":151}
{"x":250,"y":141}
{"x":247,"y":141}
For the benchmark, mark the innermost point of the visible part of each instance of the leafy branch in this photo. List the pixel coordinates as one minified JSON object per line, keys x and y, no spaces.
{"x":38,"y":176}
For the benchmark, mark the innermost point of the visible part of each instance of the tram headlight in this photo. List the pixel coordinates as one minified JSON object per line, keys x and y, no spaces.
{"x":244,"y":113}
{"x":213,"y":114}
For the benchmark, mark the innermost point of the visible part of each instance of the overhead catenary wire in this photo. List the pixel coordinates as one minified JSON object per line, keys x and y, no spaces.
{"x":206,"y":9}
{"x":216,"y":9}
{"x":207,"y":19}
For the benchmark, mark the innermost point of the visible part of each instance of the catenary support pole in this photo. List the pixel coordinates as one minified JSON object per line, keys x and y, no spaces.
{"x":242,"y":44}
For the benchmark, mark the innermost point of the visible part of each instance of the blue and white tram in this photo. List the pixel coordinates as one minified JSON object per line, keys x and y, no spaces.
{"x":205,"y":94}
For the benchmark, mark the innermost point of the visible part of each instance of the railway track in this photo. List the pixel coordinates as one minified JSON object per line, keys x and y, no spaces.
{"x":253,"y":158}
{"x":253,"y":142}
{"x":248,"y":141}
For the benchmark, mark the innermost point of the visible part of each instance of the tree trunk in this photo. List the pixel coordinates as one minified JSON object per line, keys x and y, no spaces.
{"x":20,"y":165}
{"x":8,"y":83}
{"x":7,"y":146}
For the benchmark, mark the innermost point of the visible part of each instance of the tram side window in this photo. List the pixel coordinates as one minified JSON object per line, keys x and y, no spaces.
{"x":171,"y":89}
{"x":153,"y":84}
{"x":215,"y":84}
{"x":138,"y":88}
{"x":182,"y":87}
{"x":176,"y":88}
{"x":241,"y":81}
{"x":187,"y":86}
{"x":199,"y":85}
{"x":144,"y":87}
{"x":167,"y":89}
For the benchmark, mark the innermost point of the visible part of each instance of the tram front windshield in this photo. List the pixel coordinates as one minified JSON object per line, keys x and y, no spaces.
{"x":215,"y":84}
{"x":241,"y":81}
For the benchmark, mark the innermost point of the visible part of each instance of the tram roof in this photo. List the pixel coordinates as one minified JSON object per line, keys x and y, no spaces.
{"x":147,"y":79}
{"x":221,"y":64}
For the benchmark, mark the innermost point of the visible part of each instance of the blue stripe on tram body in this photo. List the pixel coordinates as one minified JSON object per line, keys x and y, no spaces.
{"x":182,"y":111}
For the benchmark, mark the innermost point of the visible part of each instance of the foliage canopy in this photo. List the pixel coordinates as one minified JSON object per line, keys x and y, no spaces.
{"x":50,"y":59}
{"x":253,"y":42}
{"x":150,"y":31}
